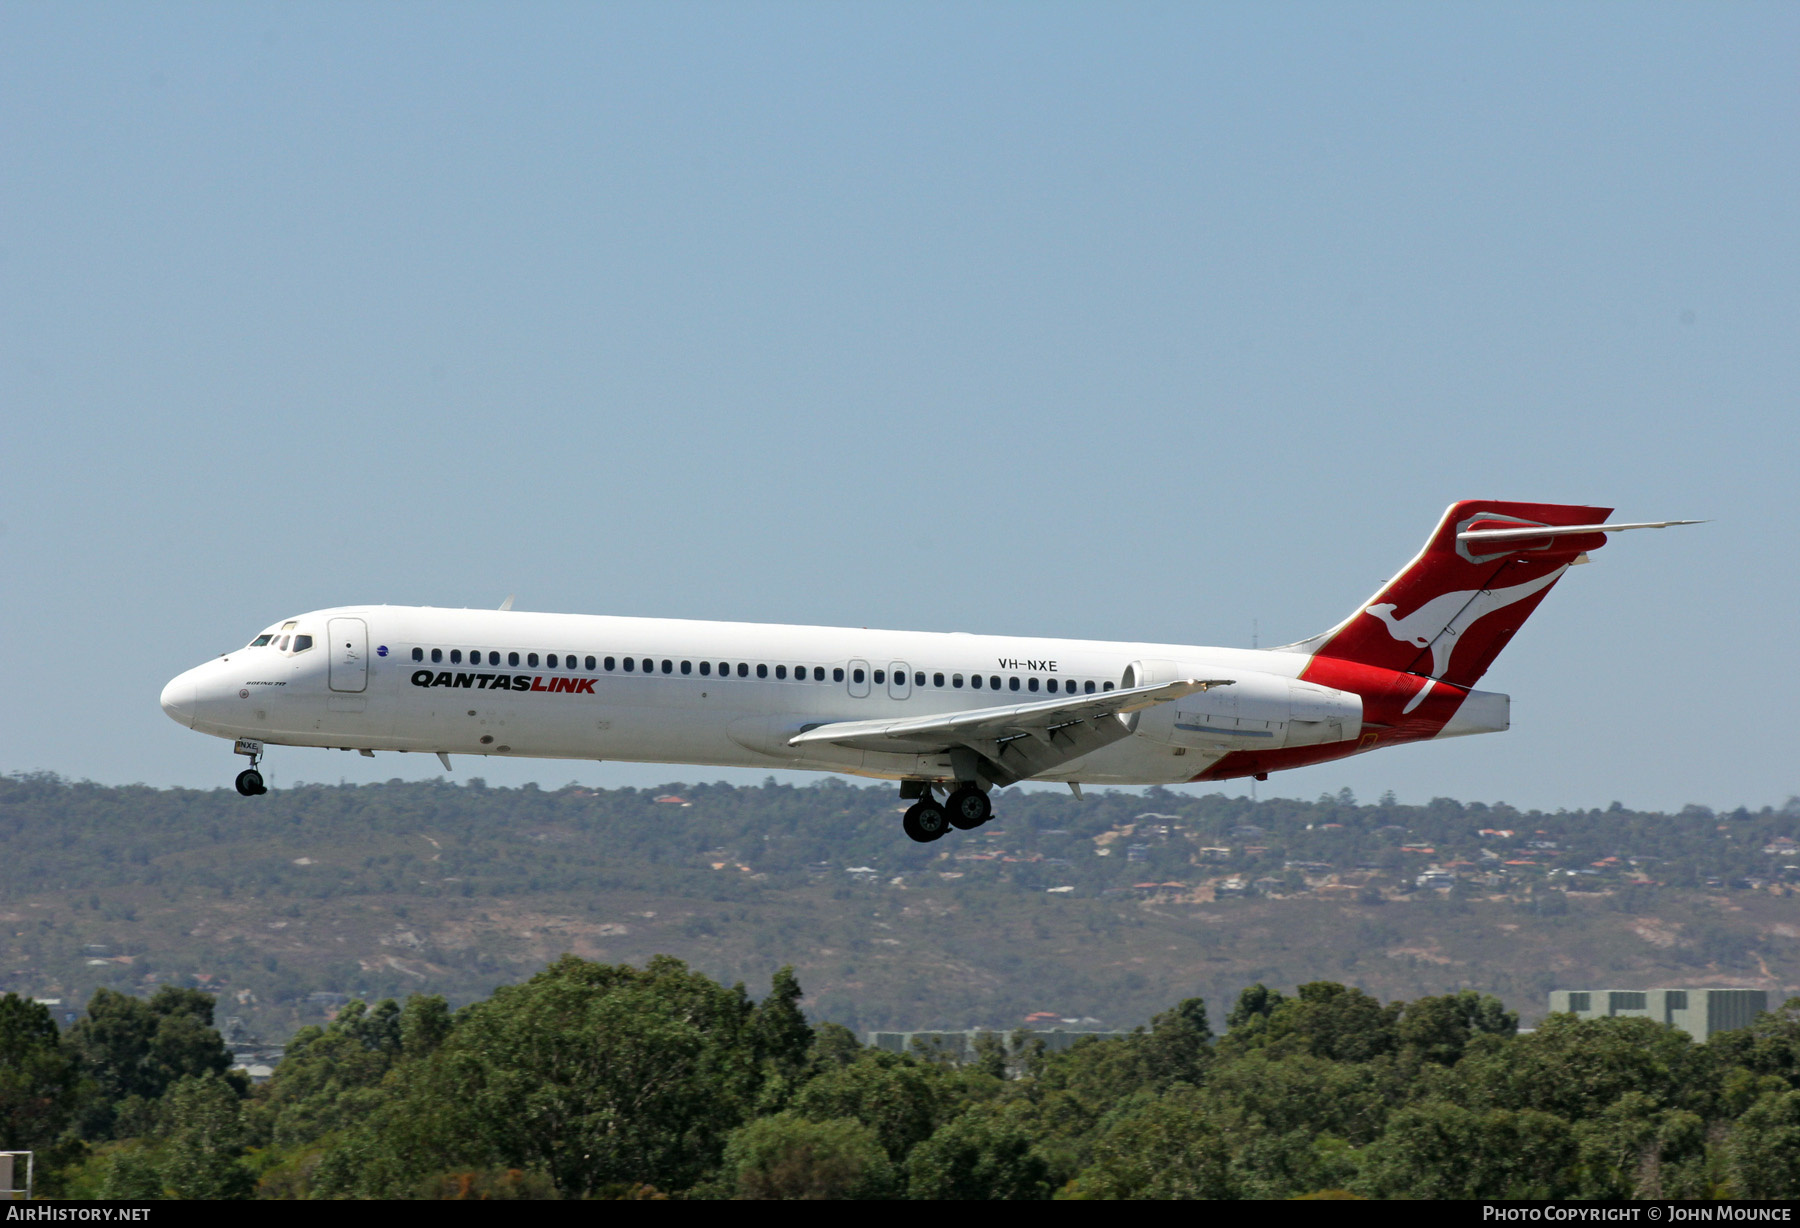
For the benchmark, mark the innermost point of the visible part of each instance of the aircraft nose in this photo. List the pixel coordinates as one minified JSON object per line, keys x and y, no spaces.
{"x":178,"y":699}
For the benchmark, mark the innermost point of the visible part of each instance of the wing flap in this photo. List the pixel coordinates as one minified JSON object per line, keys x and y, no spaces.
{"x":1020,"y":740}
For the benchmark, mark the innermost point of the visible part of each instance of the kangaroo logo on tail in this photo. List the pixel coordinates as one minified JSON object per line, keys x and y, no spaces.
{"x":1438,"y":622}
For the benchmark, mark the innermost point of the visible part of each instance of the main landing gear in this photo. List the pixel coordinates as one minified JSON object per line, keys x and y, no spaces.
{"x":927,"y":820}
{"x":250,"y":781}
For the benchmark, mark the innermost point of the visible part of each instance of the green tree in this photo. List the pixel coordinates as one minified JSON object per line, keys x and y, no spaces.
{"x":205,"y":1137}
{"x":1575,"y":1068}
{"x":1335,"y":1021}
{"x":977,"y":1155}
{"x":424,"y":1024}
{"x":990,"y":1054}
{"x":39,"y":1076}
{"x":1762,"y":1155}
{"x":133,"y":1050}
{"x":1441,"y":1150}
{"x":1438,"y":1029}
{"x":1178,"y":1047}
{"x":785,"y":1156}
{"x":1166,"y":1148}
{"x":896,"y":1097}
{"x":594,"y":1075}
{"x":1252,"y":1010}
{"x":329,"y":1077}
{"x":1637,"y":1149}
{"x":778,"y":1030}
{"x":833,"y":1045}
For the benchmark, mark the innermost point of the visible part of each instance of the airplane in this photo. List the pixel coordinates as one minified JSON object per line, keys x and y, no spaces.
{"x":949,"y":714}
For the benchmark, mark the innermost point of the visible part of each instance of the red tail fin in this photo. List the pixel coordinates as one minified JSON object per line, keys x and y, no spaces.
{"x":1452,"y":609}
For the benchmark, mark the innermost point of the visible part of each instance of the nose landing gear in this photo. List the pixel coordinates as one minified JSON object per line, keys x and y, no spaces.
{"x":250,"y":781}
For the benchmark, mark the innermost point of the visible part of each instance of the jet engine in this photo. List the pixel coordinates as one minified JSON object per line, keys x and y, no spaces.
{"x":1256,"y":712}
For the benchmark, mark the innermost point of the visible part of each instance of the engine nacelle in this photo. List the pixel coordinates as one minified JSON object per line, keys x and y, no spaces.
{"x":1256,"y":712}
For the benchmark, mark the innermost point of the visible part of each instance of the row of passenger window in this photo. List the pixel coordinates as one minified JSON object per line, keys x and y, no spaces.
{"x":857,"y":676}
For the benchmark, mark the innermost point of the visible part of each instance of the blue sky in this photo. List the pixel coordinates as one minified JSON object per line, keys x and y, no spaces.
{"x":1123,"y":321}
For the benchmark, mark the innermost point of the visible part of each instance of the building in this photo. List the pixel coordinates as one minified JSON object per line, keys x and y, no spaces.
{"x":960,"y":1046}
{"x":1698,"y":1012}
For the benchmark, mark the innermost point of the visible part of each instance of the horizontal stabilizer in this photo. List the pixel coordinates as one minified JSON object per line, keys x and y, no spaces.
{"x":1545,"y":530}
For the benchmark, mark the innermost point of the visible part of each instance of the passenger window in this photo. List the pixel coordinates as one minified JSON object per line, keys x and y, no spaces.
{"x":781,"y":671}
{"x":1050,"y":685}
{"x":919,"y":680}
{"x":437,"y":655}
{"x":512,"y":658}
{"x":668,"y":667}
{"x":303,"y":642}
{"x":724,"y":669}
{"x":630,"y":665}
{"x":589,"y":665}
{"x":609,"y":663}
{"x":818,"y":673}
{"x":936,"y":680}
{"x":531,"y":659}
{"x":1030,"y":685}
{"x":550,"y":661}
{"x":994,"y":682}
{"x":837,"y":673}
{"x":762,"y":671}
{"x":456,"y":656}
{"x":956,"y":681}
{"x":743,"y":669}
{"x":1089,"y":688}
{"x":856,"y":676}
{"x":1107,"y":687}
{"x":705,"y":669}
{"x":649,"y":666}
{"x":687,"y":667}
{"x":418,"y":654}
{"x":975,"y":681}
{"x":880,"y":676}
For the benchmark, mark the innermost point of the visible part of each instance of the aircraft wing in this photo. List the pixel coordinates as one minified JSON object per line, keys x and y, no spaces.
{"x":1014,"y":741}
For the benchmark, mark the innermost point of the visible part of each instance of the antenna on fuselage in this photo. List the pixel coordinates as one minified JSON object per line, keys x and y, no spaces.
{"x":507,"y":604}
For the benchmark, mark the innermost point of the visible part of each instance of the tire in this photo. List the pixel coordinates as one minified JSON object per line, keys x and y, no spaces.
{"x":250,"y":783}
{"x":925,"y":822}
{"x":969,"y":808}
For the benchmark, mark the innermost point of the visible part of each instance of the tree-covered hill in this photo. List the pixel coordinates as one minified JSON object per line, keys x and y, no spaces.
{"x":1106,"y":909}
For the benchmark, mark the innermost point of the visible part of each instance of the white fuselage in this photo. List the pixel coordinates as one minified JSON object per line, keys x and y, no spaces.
{"x":480,"y":682}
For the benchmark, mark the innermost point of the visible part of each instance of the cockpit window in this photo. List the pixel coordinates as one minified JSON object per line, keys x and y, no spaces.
{"x":302,"y":643}
{"x":260,"y":640}
{"x":282,"y":643}
{"x":289,"y":626}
